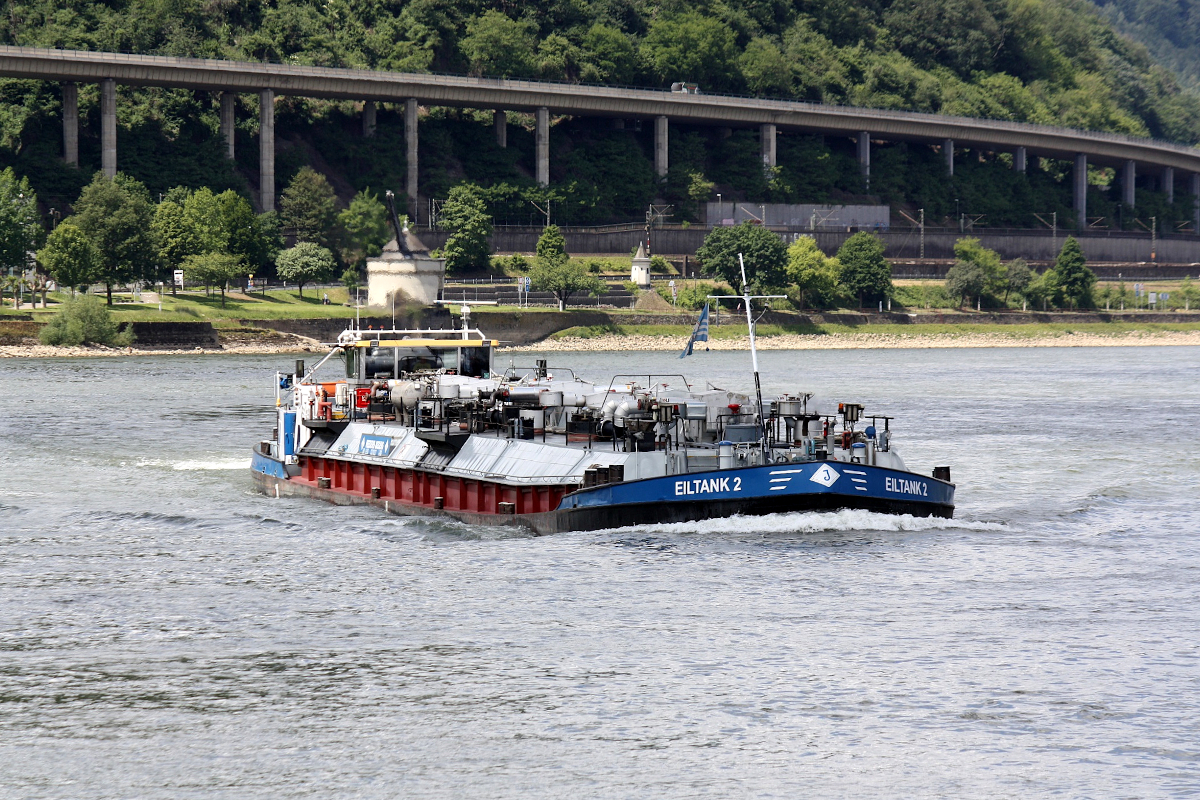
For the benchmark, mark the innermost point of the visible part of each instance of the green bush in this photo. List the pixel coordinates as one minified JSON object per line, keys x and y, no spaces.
{"x":85,"y":320}
{"x":923,"y":296}
{"x":692,"y":298}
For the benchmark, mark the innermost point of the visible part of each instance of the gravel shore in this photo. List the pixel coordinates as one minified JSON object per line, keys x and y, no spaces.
{"x":847,"y":341}
{"x":868,"y":341}
{"x":90,"y":351}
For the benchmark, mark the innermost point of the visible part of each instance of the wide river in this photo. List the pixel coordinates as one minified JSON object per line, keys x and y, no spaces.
{"x":165,"y":632}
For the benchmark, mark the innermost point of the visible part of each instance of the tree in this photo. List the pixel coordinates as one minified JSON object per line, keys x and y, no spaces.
{"x":39,"y":283}
{"x":1018,"y":276}
{"x":866,"y":274}
{"x":1187,"y":290}
{"x":14,"y":283}
{"x":699,"y":190}
{"x":351,"y":280}
{"x":551,"y":247}
{"x":20,"y":225}
{"x":118,"y":217}
{"x":766,"y":69}
{"x":70,"y":257}
{"x":1072,"y":275}
{"x":1044,"y":289}
{"x":554,"y":272}
{"x":969,"y":250}
{"x":254,"y":237}
{"x":564,"y":279}
{"x":176,"y":237}
{"x":366,"y":225}
{"x":215,"y":269}
{"x":965,"y":279}
{"x":813,"y":275}
{"x":500,"y":46}
{"x":765,"y":254}
{"x":692,"y":47}
{"x":558,"y":58}
{"x":309,"y":207}
{"x":304,"y":263}
{"x":204,"y":216}
{"x":607,"y":55}
{"x":465,"y":216}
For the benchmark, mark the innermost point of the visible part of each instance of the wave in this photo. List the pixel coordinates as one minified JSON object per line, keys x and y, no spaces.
{"x":819,"y":522}
{"x":216,"y":464}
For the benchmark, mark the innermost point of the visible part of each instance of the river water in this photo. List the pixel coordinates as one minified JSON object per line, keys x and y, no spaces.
{"x":167,"y":633}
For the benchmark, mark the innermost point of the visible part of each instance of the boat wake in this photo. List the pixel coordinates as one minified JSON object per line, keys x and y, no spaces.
{"x":199,"y":465}
{"x":848,"y":519}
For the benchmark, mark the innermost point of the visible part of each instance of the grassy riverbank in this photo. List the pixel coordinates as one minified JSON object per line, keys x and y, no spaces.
{"x":197,"y":306}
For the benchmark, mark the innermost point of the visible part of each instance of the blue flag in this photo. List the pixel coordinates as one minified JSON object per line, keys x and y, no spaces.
{"x":699,"y":333}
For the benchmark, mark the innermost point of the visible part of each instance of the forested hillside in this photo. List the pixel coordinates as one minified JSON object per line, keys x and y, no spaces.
{"x":1046,"y":61}
{"x":1169,"y":30}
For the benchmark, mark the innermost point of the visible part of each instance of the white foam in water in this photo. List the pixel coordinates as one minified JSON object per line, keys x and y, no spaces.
{"x":822,"y":521}
{"x":199,"y":464}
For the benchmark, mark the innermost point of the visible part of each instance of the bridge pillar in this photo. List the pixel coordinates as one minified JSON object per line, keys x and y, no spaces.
{"x":542,"y":142}
{"x":266,"y":149}
{"x":1168,"y":183}
{"x":1081,"y":191}
{"x":228,"y":121}
{"x":410,"y":155}
{"x":70,"y":101}
{"x":948,"y":154}
{"x":108,"y":127}
{"x":368,"y":119}
{"x":1019,"y":159}
{"x":864,"y":158}
{"x":660,"y":146}
{"x":1128,"y":180}
{"x":500,"y":121}
{"x":766,"y":140}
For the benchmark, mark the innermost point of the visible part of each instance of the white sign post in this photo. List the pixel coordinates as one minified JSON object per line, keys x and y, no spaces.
{"x":179,"y":278}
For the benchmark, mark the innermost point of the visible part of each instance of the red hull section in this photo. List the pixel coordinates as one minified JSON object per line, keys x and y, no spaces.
{"x":430,"y":490}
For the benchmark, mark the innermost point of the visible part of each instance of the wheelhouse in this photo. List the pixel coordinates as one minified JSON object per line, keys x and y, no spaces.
{"x":389,"y":356}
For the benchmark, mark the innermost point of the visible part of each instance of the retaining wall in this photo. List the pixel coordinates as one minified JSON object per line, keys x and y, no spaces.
{"x":1115,"y":246}
{"x":175,"y":334}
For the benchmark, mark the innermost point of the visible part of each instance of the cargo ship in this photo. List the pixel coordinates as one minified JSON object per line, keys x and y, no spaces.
{"x":423,"y":422}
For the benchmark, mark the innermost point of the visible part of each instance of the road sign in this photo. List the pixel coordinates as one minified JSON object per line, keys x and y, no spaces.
{"x":179,"y":278}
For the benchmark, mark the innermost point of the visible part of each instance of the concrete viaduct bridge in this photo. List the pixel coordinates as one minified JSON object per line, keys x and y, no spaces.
{"x":228,"y":78}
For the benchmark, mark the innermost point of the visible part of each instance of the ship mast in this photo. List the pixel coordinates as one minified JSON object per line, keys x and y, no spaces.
{"x":746,"y":298}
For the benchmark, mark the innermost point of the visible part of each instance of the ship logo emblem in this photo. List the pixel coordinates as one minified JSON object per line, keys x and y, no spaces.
{"x":378,"y":446}
{"x":826,"y":476}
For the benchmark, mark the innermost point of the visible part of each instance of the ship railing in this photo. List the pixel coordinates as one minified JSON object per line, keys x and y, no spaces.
{"x":498,"y":477}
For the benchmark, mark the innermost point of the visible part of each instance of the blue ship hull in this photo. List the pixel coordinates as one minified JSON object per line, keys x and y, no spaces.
{"x":749,"y":491}
{"x":776,"y":488}
{"x":262,"y":464}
